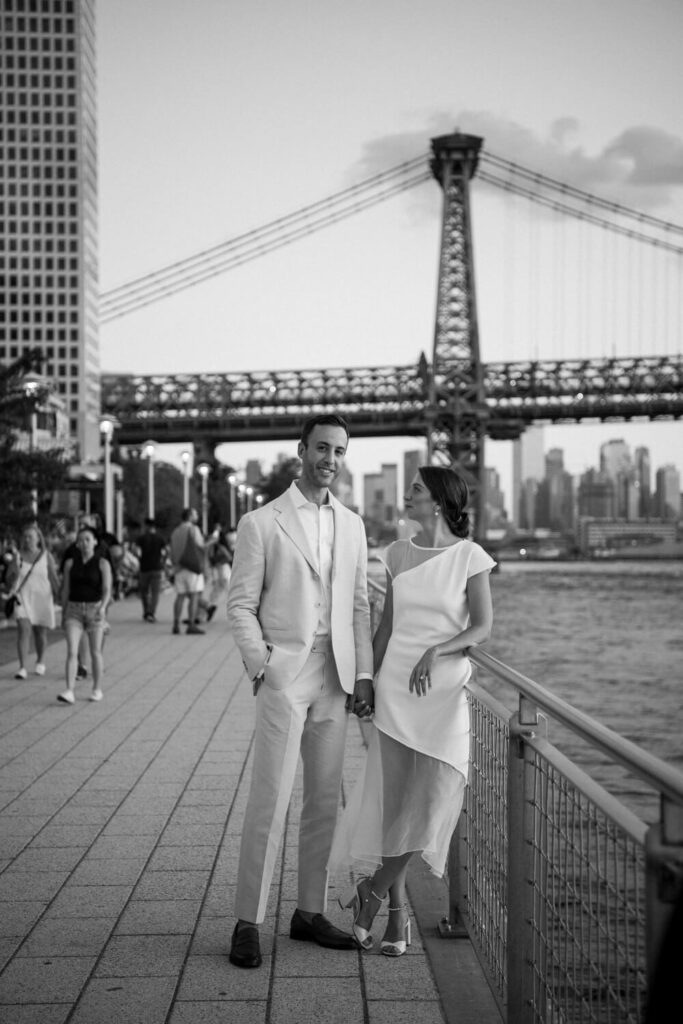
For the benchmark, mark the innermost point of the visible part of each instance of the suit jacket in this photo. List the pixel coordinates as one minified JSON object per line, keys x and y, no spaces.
{"x":275,"y":593}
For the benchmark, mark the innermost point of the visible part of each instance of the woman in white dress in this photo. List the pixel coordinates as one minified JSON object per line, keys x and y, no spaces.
{"x":34,"y":580}
{"x":438,"y":603}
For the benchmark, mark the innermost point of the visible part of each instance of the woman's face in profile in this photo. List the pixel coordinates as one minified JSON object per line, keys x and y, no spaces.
{"x":418,"y":502}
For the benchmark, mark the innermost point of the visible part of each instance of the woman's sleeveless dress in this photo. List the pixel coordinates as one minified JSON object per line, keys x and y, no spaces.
{"x":411,"y":793}
{"x":35,"y":597}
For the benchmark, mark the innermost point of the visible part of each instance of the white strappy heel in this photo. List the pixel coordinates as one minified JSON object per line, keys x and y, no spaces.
{"x":352,"y":900}
{"x":399,"y":947}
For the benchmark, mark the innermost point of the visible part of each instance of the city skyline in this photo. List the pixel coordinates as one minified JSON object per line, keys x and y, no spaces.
{"x":546,"y":450}
{"x":238,"y":456}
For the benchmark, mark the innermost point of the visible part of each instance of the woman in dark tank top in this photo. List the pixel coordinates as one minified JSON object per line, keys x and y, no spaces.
{"x":86,"y":593}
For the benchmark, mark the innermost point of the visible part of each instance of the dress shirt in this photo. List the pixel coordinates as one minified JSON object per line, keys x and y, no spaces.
{"x":318,"y":525}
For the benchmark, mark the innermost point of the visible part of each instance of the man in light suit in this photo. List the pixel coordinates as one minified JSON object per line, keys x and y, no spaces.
{"x":298,"y":608}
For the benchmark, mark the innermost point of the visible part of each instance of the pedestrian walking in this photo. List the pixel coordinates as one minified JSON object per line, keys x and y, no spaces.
{"x":32,"y":580}
{"x":94,"y":521}
{"x":86,"y":593}
{"x":188,"y":554}
{"x":151,"y":550}
{"x":219,"y":557}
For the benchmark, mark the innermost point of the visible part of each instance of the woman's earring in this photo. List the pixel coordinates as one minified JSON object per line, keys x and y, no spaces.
{"x":436,"y":510}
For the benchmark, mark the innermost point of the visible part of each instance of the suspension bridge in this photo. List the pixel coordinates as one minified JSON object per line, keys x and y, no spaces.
{"x":453,"y":399}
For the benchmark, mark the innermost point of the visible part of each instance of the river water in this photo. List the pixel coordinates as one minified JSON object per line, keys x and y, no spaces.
{"x":607,"y":638}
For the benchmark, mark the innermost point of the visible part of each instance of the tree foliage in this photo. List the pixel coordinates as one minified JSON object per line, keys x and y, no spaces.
{"x":14,"y":403}
{"x":168,"y":494}
{"x":22,"y":473}
{"x":280,"y":477}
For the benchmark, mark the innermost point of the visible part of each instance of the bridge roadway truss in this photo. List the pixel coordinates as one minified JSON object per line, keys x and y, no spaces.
{"x":383,"y":401}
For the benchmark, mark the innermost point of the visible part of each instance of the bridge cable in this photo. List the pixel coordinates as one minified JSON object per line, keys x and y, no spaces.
{"x":213,"y":261}
{"x":583,"y":215}
{"x":571,"y":191}
{"x":260,"y":241}
{"x":326,"y":203}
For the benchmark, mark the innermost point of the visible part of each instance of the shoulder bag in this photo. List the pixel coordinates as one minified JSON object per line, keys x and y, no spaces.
{"x":13,"y":600}
{"x":192,"y":557}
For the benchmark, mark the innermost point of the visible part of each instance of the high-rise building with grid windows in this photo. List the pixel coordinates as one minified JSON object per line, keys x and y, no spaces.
{"x":48,"y":201}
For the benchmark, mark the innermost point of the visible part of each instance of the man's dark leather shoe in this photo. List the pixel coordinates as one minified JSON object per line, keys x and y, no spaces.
{"x":322,"y":931}
{"x":245,"y":950}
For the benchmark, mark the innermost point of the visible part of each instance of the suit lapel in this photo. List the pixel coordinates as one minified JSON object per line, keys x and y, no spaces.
{"x":289,"y":522}
{"x":339,"y":545}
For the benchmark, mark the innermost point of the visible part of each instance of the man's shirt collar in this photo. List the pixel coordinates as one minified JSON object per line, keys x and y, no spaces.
{"x":300,"y":498}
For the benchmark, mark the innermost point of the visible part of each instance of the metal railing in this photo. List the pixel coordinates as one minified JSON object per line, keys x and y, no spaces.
{"x":564,"y":892}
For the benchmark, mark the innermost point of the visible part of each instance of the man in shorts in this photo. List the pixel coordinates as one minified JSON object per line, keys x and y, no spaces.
{"x":188,"y":575}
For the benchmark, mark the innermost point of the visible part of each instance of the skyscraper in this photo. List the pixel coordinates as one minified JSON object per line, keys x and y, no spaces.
{"x":48,"y":201}
{"x":527,"y":465}
{"x":668,"y":492}
{"x":616,"y":463}
{"x":380,"y":494}
{"x":643,"y":481}
{"x":555,"y":499}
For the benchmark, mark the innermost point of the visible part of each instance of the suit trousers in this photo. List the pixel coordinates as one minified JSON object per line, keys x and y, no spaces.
{"x":307,"y":717}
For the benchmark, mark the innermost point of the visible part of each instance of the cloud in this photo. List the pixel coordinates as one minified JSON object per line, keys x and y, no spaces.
{"x":649,"y":155}
{"x":642,"y":167}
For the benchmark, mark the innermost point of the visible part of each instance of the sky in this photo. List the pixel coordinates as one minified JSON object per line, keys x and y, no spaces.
{"x":219,"y":116}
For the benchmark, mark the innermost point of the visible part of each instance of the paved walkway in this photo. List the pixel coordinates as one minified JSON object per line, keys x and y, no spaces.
{"x":119,"y":834}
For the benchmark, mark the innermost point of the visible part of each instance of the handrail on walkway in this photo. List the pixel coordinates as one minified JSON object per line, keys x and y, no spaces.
{"x":564,"y":891}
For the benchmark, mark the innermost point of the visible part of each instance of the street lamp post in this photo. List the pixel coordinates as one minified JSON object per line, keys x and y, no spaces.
{"x":185,"y":457}
{"x":232,"y":481}
{"x":204,"y":469}
{"x":250,"y":495}
{"x":107,"y":427}
{"x":32,"y":386}
{"x":149,"y":451}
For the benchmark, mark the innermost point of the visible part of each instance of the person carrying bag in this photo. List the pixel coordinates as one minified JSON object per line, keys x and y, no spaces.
{"x":31,"y":602}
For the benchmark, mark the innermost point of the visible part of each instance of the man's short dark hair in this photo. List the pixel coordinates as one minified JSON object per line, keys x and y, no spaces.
{"x":323,"y":419}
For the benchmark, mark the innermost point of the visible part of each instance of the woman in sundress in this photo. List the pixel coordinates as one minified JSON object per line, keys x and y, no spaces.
{"x":438,"y":603}
{"x":34,"y":581}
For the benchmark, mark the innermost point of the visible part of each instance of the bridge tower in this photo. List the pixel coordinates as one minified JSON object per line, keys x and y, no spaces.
{"x":457,"y":411}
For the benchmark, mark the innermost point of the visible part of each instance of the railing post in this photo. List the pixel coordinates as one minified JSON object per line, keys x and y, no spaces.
{"x":453,"y":926}
{"x":664,"y":881}
{"x":520,"y":896}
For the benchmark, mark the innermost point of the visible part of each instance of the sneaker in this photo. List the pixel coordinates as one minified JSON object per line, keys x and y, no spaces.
{"x":194,"y":630}
{"x":40,"y":669}
{"x":67,"y":697}
{"x":81,"y":672}
{"x":96,"y":695}
{"x":21,"y":674}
